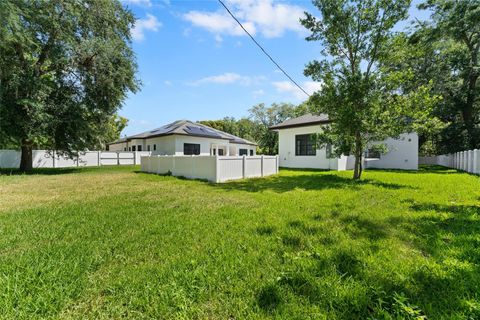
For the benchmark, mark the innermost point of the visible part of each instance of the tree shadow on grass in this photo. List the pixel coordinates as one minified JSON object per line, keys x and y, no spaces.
{"x":422,"y":169}
{"x":435,"y":233}
{"x":307,"y":182}
{"x":41,"y":171}
{"x":445,"y":284}
{"x":452,"y":242}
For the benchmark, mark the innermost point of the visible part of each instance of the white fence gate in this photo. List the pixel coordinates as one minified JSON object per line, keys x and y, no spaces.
{"x":468,"y":161}
{"x":46,"y":159}
{"x":212,"y":168}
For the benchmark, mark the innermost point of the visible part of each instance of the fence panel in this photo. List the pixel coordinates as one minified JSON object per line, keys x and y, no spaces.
{"x":215,"y":169}
{"x":230,"y":168}
{"x":52,"y":159}
{"x":468,"y":161}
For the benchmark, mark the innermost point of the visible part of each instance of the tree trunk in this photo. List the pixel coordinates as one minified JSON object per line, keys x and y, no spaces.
{"x":27,"y":157}
{"x":357,"y":172}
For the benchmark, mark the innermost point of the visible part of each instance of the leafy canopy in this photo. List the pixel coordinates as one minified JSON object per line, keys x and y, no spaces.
{"x":65,"y":69}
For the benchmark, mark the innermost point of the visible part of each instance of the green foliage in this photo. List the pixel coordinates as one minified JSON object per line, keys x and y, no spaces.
{"x":264,"y":117}
{"x":444,"y":50}
{"x":364,"y":101}
{"x":65,"y":69}
{"x":395,"y":245}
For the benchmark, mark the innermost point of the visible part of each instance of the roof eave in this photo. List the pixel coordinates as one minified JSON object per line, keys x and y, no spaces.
{"x":306,"y":124}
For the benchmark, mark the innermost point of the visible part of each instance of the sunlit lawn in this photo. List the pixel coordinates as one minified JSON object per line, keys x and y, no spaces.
{"x":113,"y":242}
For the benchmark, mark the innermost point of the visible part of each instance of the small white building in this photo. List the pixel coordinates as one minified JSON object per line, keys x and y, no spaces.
{"x":296,"y":148}
{"x":185,"y":137}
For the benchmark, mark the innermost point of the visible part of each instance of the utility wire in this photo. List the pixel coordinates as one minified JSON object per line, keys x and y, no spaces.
{"x":261,"y":48}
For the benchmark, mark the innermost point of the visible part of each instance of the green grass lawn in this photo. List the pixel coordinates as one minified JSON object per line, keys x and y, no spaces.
{"x":113,"y":242}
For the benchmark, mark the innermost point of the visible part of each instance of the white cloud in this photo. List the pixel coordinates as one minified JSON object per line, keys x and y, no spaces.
{"x":144,"y":3}
{"x":286,"y":86}
{"x":269,"y":19}
{"x":150,"y":23}
{"x":167,"y":82}
{"x":217,"y":23}
{"x":229,"y":78}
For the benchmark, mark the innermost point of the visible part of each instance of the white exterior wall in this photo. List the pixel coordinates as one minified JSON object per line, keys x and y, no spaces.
{"x":402,"y":154}
{"x":117,"y":146}
{"x":205,"y":144}
{"x":165,"y":145}
{"x":173,"y":145}
{"x":286,"y":150}
{"x":235,"y":147}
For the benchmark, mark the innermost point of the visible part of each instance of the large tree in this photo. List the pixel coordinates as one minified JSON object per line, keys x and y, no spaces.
{"x":364,"y":102}
{"x":65,"y":68}
{"x":450,"y":42}
{"x":264,"y":117}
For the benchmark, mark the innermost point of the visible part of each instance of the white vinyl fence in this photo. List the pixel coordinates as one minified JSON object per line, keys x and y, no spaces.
{"x":46,"y":159}
{"x":212,"y":168}
{"x":468,"y":161}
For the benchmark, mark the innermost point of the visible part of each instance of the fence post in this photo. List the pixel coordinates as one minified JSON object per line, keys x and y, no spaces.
{"x":244,"y":165}
{"x":118,"y":158}
{"x":217,"y":175}
{"x":262,"y":166}
{"x":475,"y":168}
{"x":470,"y":161}
{"x":277,"y":164}
{"x":78,"y":159}
{"x":134,"y":158}
{"x":99,"y":161}
{"x":53,"y":157}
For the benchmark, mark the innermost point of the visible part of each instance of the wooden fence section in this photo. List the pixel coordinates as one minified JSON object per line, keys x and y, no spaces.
{"x":212,"y":168}
{"x":51,"y":159}
{"x":468,"y":161}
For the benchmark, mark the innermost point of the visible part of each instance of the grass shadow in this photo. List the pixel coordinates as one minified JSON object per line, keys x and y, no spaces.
{"x":280,"y":184}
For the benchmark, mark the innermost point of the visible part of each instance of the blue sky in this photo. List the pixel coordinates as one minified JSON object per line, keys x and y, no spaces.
{"x":195,"y":63}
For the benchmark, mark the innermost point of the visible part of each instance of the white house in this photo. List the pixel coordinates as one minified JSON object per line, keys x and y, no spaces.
{"x":296,"y":148}
{"x":185,"y":137}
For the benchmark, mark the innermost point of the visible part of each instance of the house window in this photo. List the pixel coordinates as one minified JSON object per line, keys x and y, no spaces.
{"x":148,"y":148}
{"x":139,"y":148}
{"x":133,"y":148}
{"x":251,"y":152}
{"x":372,"y":154}
{"x":243,"y":152}
{"x":220,"y":152}
{"x":191,"y":148}
{"x":305,"y":145}
{"x":125,"y":149}
{"x":154,"y":147}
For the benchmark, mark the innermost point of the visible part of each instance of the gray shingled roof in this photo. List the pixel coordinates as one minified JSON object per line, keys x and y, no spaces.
{"x":189,"y":128}
{"x":305,"y":120}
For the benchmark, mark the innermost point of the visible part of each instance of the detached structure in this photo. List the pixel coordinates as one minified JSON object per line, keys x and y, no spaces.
{"x":296,"y":148}
{"x":184,"y":137}
{"x":195,"y":151}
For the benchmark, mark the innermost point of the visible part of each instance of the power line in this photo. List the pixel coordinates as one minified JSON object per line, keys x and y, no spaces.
{"x":263,"y":50}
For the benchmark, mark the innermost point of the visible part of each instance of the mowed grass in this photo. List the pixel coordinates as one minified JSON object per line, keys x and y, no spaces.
{"x":113,"y":242}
